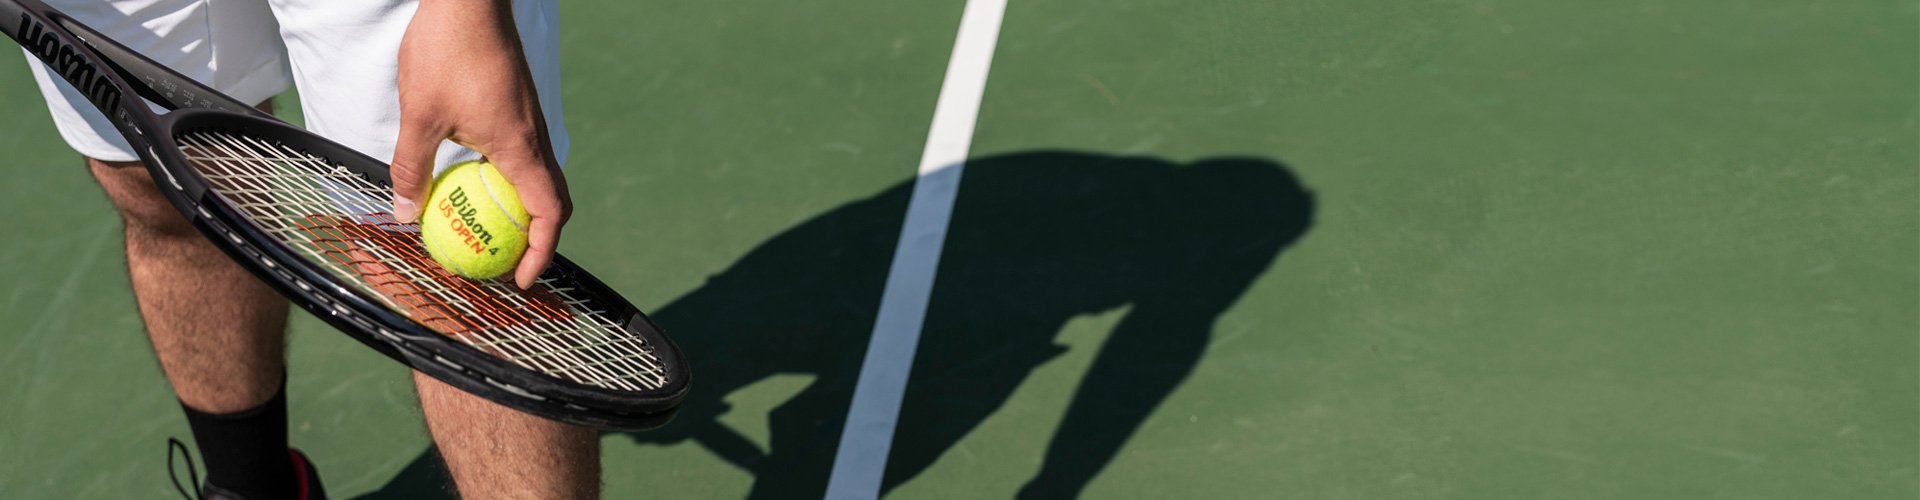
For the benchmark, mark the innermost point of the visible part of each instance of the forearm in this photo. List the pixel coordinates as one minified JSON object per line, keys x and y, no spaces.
{"x":491,"y":18}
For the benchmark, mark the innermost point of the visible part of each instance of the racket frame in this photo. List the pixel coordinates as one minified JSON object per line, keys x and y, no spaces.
{"x":103,"y":69}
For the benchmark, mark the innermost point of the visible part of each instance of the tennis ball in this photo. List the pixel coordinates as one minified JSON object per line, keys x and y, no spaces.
{"x":474,"y":224}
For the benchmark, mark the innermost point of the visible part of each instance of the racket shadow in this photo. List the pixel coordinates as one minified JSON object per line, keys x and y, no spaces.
{"x":1036,"y":240}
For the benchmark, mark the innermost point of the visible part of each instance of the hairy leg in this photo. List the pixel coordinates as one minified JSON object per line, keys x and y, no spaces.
{"x":496,"y":452}
{"x":216,"y":329}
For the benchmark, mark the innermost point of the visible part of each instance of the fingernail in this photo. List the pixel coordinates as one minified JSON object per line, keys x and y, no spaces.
{"x":405,"y":210}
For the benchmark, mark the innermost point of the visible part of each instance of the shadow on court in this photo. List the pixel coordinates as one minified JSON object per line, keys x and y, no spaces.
{"x":1036,"y":240}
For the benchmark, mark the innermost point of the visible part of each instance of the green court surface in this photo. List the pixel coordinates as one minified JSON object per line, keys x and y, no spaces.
{"x":1229,"y":249}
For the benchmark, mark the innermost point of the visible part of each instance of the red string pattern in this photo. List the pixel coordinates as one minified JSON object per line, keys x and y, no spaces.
{"x":388,"y":256}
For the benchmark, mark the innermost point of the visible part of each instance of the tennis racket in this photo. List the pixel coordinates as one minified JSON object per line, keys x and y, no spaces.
{"x":310,"y":217}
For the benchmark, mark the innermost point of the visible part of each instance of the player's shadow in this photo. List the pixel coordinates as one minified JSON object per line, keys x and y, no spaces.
{"x":1036,"y":239}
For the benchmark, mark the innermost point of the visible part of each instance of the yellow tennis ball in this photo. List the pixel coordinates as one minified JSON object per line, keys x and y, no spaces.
{"x":473,"y":224}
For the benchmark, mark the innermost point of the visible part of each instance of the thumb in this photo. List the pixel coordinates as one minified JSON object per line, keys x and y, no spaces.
{"x":413,"y":167}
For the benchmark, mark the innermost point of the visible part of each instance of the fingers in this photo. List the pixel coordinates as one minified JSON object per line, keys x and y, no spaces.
{"x":543,"y":192}
{"x":413,"y":166}
{"x":542,"y":236}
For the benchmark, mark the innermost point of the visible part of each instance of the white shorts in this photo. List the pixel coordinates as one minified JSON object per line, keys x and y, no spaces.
{"x":342,"y":54}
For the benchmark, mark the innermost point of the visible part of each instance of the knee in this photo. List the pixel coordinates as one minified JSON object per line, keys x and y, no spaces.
{"x":147,"y":214}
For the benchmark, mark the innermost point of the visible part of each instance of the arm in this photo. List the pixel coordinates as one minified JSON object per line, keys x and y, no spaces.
{"x":464,"y":77}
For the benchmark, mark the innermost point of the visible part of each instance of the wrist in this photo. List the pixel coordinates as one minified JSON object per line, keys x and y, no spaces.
{"x":468,"y":4}
{"x":497,"y":13}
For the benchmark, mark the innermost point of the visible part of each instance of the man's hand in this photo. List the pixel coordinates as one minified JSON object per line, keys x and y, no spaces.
{"x":464,"y":77}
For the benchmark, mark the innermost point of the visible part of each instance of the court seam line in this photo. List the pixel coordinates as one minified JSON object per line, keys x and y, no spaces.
{"x":859,"y":464}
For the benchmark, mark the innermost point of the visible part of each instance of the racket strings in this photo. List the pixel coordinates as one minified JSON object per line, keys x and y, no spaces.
{"x":346,"y":242}
{"x":339,"y":221}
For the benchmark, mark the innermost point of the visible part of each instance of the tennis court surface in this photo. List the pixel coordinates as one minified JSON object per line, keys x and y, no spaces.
{"x":1229,"y":249}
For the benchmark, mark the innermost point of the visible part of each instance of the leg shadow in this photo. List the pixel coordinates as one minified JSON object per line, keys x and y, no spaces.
{"x":425,"y":478}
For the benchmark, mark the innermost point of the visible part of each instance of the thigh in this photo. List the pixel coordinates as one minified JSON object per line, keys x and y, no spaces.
{"x":345,"y":58}
{"x":249,"y":64}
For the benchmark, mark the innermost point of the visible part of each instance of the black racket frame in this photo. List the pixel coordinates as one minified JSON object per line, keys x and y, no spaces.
{"x":102,"y":69}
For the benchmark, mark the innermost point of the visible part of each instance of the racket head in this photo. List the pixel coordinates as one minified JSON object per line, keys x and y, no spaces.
{"x":334,"y":282}
{"x":363,"y":303}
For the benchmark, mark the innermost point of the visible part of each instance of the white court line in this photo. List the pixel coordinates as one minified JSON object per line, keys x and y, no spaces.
{"x":868,"y":435}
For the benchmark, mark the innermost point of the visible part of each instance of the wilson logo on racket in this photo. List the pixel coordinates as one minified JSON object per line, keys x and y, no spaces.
{"x":68,"y":63}
{"x":474,"y":234}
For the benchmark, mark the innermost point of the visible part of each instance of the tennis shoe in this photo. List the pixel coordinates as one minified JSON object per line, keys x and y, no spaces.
{"x":306,"y":482}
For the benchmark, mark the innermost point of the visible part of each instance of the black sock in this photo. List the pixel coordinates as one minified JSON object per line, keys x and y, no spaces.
{"x":246,"y":451}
